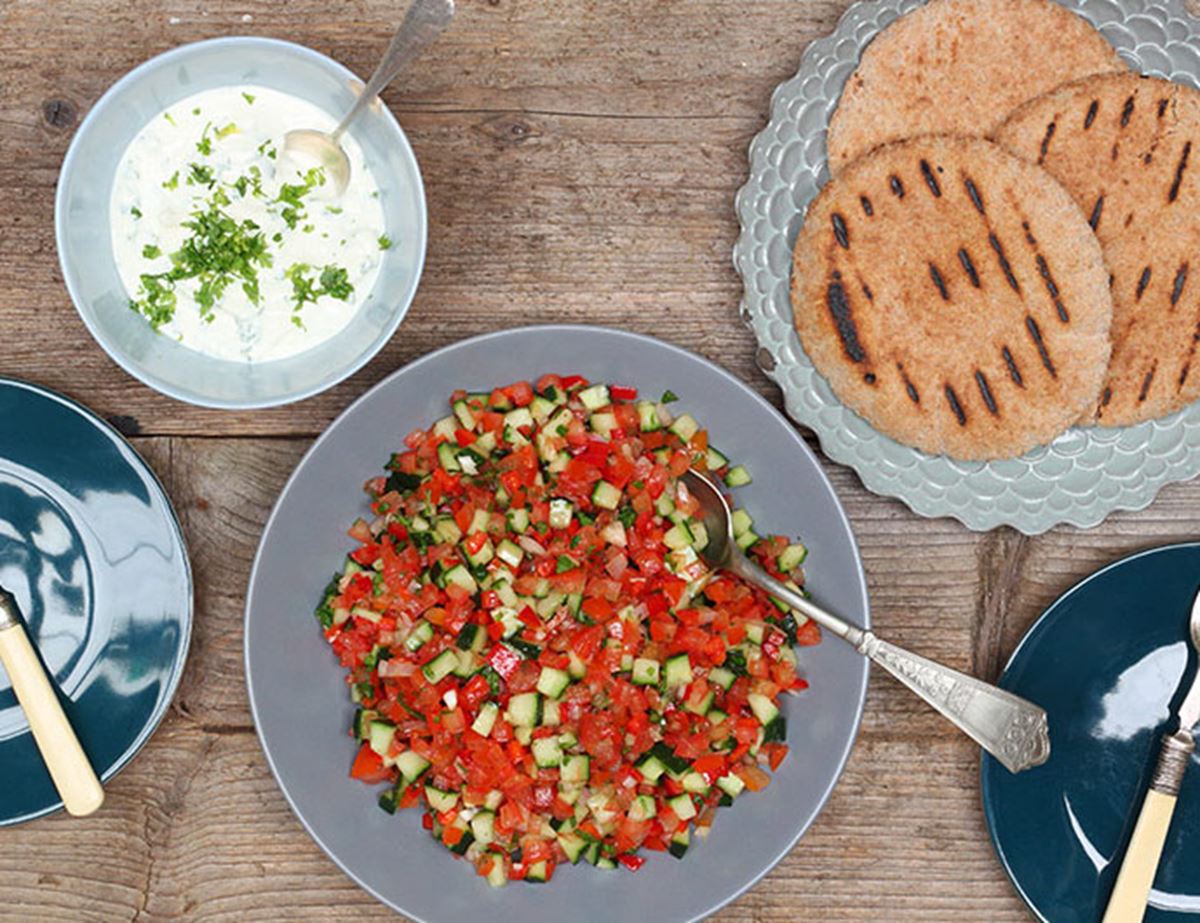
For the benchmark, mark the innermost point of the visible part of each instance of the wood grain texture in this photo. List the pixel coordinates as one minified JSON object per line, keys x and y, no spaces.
{"x":581,"y":159}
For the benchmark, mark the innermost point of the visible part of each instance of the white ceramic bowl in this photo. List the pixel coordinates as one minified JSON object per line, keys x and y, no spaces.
{"x":81,"y":218}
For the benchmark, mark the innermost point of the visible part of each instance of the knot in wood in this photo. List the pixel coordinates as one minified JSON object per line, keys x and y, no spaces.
{"x":58,"y":113}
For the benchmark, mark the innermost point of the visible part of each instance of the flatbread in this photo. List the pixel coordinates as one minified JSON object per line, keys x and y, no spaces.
{"x":1127,"y":148}
{"x":955,"y":296}
{"x":960,"y":67}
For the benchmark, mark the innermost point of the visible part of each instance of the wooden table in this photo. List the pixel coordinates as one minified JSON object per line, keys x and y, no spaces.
{"x":581,"y":160}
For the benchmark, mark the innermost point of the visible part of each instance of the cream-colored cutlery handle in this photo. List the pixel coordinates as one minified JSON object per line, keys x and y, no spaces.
{"x":1132,"y":890}
{"x":69,"y":766}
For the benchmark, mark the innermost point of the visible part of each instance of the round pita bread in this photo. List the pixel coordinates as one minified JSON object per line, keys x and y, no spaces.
{"x":960,"y":67}
{"x":1127,"y":148}
{"x":955,"y":296}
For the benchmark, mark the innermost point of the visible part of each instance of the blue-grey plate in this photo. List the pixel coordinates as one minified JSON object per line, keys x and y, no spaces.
{"x":91,"y":548}
{"x":1106,"y":661}
{"x":299,"y":695}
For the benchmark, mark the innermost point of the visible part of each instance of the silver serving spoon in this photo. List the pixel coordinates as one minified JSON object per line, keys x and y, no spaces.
{"x":1013,"y":730}
{"x":422,"y":24}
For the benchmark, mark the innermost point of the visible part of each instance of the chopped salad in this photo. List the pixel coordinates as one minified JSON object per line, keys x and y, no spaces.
{"x":542,"y":662}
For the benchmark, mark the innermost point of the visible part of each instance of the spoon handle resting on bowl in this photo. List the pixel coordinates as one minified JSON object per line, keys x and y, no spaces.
{"x":69,"y":767}
{"x":422,"y":24}
{"x":1008,"y":727}
{"x":1132,"y":890}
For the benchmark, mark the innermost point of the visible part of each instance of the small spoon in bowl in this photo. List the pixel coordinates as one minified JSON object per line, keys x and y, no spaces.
{"x":422,"y":24}
{"x":1013,"y":730}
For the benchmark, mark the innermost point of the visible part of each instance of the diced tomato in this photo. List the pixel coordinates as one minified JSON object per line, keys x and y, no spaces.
{"x":631,"y":861}
{"x":622,"y":393}
{"x":368,"y":766}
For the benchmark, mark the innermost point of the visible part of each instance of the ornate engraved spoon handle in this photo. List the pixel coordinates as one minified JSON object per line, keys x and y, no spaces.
{"x":1013,"y":730}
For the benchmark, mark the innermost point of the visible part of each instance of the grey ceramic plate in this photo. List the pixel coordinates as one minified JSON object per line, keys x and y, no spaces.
{"x":1083,"y":475}
{"x":299,"y":698}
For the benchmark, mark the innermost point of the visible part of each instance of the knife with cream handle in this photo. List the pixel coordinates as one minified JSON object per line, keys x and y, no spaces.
{"x":1132,"y":890}
{"x":69,"y":767}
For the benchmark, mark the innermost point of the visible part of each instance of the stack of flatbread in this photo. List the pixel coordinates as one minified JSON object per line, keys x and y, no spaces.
{"x":1006,"y":244}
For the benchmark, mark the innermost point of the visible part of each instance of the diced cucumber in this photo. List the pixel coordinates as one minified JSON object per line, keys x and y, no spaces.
{"x":441,"y":666}
{"x":605,"y":863}
{"x":681,"y":839}
{"x":694,"y":782}
{"x":466,"y":419}
{"x":651,"y":767}
{"x":448,"y":458}
{"x":643,"y":808}
{"x":445,"y":428}
{"x":560,"y":513}
{"x":699,"y":535}
{"x":381,"y":735}
{"x":721,"y":677}
{"x":483,"y":825}
{"x":573,"y":845}
{"x":737,"y":476}
{"x":552,"y":682}
{"x":440,"y":801}
{"x":497,"y":877}
{"x":485,"y":445}
{"x":685,"y":427}
{"x":678,"y":537}
{"x":468,"y":664}
{"x":595,"y":397}
{"x":764,"y":709}
{"x":775,"y":731}
{"x":602,"y":424}
{"x":525,"y":710}
{"x":746,"y":539}
{"x":509,"y":552}
{"x":648,"y":417}
{"x":606,"y":496}
{"x":411,"y":765}
{"x":702,"y":707}
{"x":447,"y":529}
{"x":741,"y":522}
{"x":792,"y":557}
{"x":755,"y":632}
{"x":731,"y":785}
{"x":547,"y":752}
{"x":537,"y":872}
{"x":577,"y":668}
{"x":575,"y":770}
{"x":518,"y":520}
{"x":469,"y":460}
{"x":683,"y":806}
{"x":484,"y":555}
{"x":460,"y":576}
{"x":486,"y":719}
{"x":471,"y":638}
{"x":678,"y":671}
{"x":645,"y":671}
{"x":664,"y":505}
{"x":519,"y":418}
{"x":715,"y":459}
{"x":541,"y":408}
{"x":551,"y":713}
{"x":421,"y":634}
{"x":362,"y":723}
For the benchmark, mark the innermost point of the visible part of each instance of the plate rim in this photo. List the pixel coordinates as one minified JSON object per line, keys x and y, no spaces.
{"x":187,"y":621}
{"x":1050,"y":614}
{"x":70,"y":283}
{"x":439,"y":354}
{"x":881,"y":476}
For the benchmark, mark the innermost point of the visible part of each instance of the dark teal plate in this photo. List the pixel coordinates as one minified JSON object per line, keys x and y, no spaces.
{"x":1106,"y":661}
{"x":92,"y":550}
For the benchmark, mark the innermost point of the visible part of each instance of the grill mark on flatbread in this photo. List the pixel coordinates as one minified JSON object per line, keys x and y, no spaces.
{"x":973,"y":192}
{"x":1183,"y":162}
{"x":843,"y":319}
{"x":870,"y":378}
{"x":939,"y":282}
{"x":1143,"y":281}
{"x":1002,"y":258}
{"x":1043,"y":269}
{"x":955,"y":406}
{"x":986,"y":393}
{"x":1187,"y":363}
{"x":1116,"y":150}
{"x":910,"y":389}
{"x":866,"y":290}
{"x":867,"y":207}
{"x":1046,"y":138}
{"x":839,"y":231}
{"x":897,"y":186}
{"x":1091,"y":114}
{"x":1035,"y":334}
{"x":1162,"y":106}
{"x":1145,"y":392}
{"x":965,"y":258}
{"x":1180,"y":280}
{"x":1127,"y":111}
{"x":1097,"y":211}
{"x":1013,"y":371}
{"x":930,"y":179}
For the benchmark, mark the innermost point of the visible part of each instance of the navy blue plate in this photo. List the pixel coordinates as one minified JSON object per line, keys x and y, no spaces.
{"x":1106,"y":661}
{"x":91,"y":548}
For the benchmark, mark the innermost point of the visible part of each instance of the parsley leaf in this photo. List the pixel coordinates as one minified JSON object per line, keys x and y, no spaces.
{"x":564,"y":564}
{"x":669,"y":397}
{"x":385,"y":242}
{"x":151,"y":252}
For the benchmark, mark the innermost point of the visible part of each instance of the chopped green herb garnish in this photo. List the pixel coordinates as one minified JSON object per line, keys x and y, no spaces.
{"x":669,"y":397}
{"x":334,"y":281}
{"x":226,"y":131}
{"x":167,"y":116}
{"x":201,"y":175}
{"x":196,"y":111}
{"x":151,"y":252}
{"x":204,"y":145}
{"x":248,"y":97}
{"x":564,"y":564}
{"x":173,"y":182}
{"x":385,"y":242}
{"x":135,"y":211}
{"x":291,"y":194}
{"x":333,"y":209}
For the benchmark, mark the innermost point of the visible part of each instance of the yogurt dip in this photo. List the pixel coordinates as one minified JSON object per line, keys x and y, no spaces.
{"x":227,"y":248}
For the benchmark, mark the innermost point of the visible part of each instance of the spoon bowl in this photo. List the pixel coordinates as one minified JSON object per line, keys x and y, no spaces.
{"x":1008,"y":727}
{"x":422,"y":24}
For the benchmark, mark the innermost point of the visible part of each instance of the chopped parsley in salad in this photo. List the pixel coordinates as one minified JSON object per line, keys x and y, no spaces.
{"x":541,"y":660}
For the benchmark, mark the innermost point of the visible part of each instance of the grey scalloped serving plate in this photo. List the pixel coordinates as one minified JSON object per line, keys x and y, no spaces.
{"x":1083,"y":475}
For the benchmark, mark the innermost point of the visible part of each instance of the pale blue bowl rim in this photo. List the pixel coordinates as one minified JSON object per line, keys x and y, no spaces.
{"x":112,"y":349}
